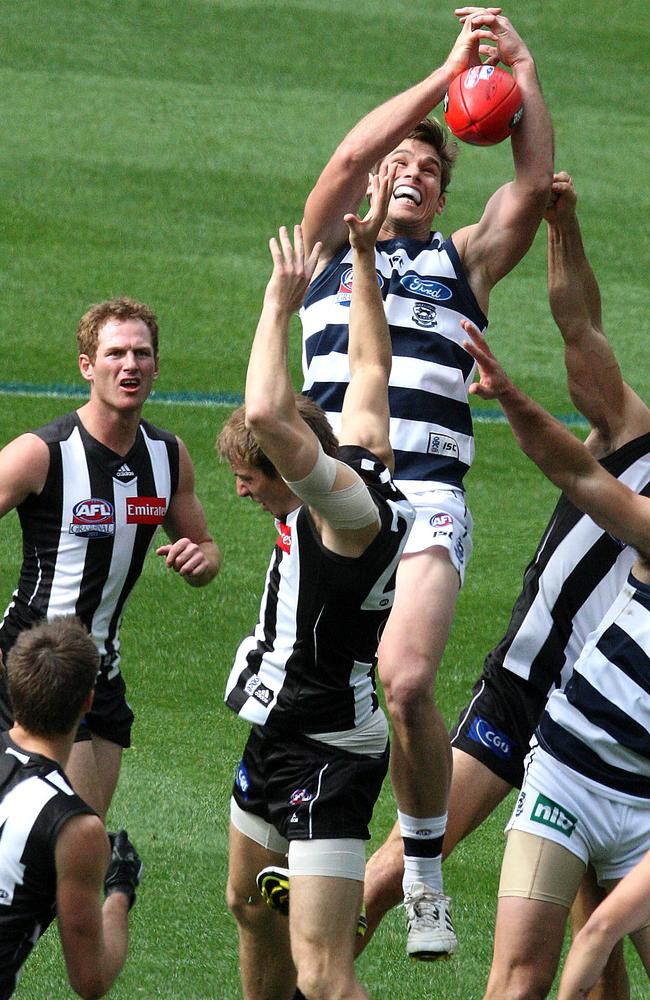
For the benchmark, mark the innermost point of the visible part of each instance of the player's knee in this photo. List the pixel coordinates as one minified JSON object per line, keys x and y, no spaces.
{"x":250,"y":912}
{"x":324,"y":977}
{"x":409,"y":690}
{"x":521,"y":982}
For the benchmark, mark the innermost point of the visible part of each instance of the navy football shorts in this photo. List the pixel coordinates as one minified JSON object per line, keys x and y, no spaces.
{"x":110,"y":715}
{"x":496,"y":726}
{"x":308,"y":790}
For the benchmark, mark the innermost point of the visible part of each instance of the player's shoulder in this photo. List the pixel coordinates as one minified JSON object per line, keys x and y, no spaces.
{"x":58,"y":429}
{"x":155,"y":433}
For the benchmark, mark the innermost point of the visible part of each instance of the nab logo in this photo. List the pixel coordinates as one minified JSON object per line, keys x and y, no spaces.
{"x":283,"y":540}
{"x":93,"y":518}
{"x":426,"y":287}
{"x":482,"y":732}
{"x":549,"y":813}
{"x":145,"y":510}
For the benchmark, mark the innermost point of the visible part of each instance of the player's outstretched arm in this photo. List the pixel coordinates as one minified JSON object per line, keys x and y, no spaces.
{"x":491,"y":248}
{"x":271,"y":412}
{"x":365,"y":419}
{"x":192,"y":552}
{"x":343,"y":182}
{"x":560,"y":455}
{"x":625,"y":909}
{"x":613,"y":409}
{"x":94,"y":937}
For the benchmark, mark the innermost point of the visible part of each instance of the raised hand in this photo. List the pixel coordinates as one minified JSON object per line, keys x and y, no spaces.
{"x":364,"y":232}
{"x":493,"y":381}
{"x":563,"y":200}
{"x":291,"y":273}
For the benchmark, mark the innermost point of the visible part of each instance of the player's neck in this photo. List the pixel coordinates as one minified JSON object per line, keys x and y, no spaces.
{"x":391,"y":231}
{"x":116,"y":429}
{"x":53,"y":747}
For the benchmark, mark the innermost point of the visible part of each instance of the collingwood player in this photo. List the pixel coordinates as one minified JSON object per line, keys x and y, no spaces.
{"x":318,"y":750}
{"x":570,"y":583}
{"x":428,"y":285}
{"x":586,"y":790}
{"x":55,"y":856}
{"x":91,"y":489}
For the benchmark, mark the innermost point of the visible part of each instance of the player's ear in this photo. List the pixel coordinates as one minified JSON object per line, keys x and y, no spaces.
{"x":441,"y":203}
{"x":86,"y":367}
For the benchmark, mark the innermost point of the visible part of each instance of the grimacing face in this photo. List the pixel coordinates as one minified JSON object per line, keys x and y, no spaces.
{"x":416,"y":198}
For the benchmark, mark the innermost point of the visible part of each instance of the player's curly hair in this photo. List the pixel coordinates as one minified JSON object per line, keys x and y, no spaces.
{"x":431,"y":131}
{"x":236,"y":443}
{"x":121,"y":309}
{"x":51,"y":670}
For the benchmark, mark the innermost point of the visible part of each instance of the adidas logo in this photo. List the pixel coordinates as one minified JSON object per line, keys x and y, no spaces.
{"x":124,"y":472}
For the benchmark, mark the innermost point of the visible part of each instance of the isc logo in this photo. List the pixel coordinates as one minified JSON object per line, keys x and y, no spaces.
{"x":93,"y":518}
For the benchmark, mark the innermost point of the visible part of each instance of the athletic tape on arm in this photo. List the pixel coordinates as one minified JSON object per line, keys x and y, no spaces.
{"x":347,"y":509}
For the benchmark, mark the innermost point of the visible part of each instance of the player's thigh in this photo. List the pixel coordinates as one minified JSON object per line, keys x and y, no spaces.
{"x":418,"y":626}
{"x":528,"y":940}
{"x":108,"y":758}
{"x":323,"y":918}
{"x":246,"y":858}
{"x":475,"y":793}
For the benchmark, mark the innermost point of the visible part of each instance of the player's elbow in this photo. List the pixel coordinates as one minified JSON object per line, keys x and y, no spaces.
{"x":261,"y":417}
{"x":89,"y":985}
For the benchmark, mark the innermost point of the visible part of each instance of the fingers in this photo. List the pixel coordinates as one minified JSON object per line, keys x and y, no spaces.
{"x":184,"y":557}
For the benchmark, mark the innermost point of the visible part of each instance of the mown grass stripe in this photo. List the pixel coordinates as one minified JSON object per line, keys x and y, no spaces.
{"x":480,"y":415}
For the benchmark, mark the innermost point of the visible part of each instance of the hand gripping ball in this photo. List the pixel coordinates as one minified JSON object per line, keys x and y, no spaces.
{"x":483,"y":105}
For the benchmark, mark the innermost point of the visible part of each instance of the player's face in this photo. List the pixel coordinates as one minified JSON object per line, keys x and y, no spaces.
{"x":416,"y":198}
{"x":270,"y":492}
{"x":124,"y":367}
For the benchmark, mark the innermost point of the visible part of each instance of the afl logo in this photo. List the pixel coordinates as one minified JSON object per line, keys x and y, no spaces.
{"x":426,"y":287}
{"x":93,"y":518}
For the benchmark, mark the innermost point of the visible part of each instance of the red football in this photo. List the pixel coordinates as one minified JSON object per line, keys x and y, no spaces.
{"x":483,"y":105}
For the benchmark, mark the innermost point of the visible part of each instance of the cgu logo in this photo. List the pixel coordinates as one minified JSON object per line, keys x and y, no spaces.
{"x":482,"y":732}
{"x":93,"y":511}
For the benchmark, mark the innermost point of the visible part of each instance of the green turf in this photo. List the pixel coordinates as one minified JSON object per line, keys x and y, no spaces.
{"x":150,"y":147}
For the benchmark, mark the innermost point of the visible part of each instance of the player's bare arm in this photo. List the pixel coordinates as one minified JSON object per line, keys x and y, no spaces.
{"x":93,"y":937}
{"x":24,"y":465}
{"x":615,"y":412}
{"x":271,"y":412}
{"x":625,"y":909}
{"x":343,"y":182}
{"x":562,"y":457}
{"x":493,"y":246}
{"x":192,"y":552}
{"x":365,"y":418}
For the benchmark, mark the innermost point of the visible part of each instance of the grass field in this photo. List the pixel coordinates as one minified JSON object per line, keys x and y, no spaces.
{"x":150,"y":147}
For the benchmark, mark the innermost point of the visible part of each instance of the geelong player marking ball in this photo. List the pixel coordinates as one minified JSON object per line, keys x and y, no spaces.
{"x":483,"y":105}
